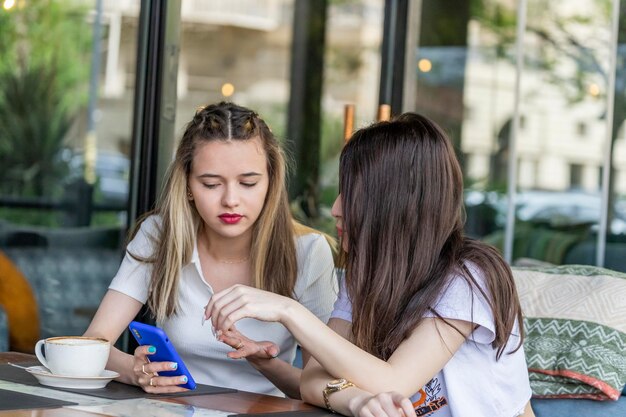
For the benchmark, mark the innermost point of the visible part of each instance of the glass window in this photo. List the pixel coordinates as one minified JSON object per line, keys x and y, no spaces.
{"x":235,"y":51}
{"x":468,"y":66}
{"x":251,"y":67}
{"x":351,"y":76}
{"x":66,"y":94}
{"x":562,"y":135}
{"x":566,"y":53}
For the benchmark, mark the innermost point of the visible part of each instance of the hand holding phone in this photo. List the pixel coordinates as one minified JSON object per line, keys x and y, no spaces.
{"x":165,"y":352}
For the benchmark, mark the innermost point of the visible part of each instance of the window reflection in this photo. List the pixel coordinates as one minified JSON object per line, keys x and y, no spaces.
{"x":252,"y":65}
{"x":465,"y":80}
{"x":64,"y":188}
{"x":46,"y":151}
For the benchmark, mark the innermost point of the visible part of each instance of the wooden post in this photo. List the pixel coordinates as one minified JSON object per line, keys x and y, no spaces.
{"x":384,"y":112}
{"x":304,"y":119}
{"x":348,"y":121}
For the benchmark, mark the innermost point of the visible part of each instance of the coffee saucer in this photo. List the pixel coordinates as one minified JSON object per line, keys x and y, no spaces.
{"x":75,"y":382}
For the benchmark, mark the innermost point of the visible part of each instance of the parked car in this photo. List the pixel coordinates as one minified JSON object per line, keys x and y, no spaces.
{"x":556,"y":208}
{"x":112,"y":175}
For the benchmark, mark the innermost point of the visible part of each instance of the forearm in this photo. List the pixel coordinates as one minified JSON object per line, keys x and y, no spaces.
{"x":122,"y":363}
{"x":433,"y":339}
{"x":338,"y":354}
{"x":111,"y":319}
{"x":280,"y":373}
{"x":345,"y":401}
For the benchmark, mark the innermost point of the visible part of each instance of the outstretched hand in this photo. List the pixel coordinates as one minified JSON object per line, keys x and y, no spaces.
{"x":246,"y":347}
{"x":240,"y":301}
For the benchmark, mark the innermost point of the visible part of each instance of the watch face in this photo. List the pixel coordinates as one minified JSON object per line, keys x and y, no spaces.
{"x":336,"y":383}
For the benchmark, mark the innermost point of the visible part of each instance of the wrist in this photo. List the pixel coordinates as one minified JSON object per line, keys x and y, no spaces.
{"x":256,"y":363}
{"x":128,"y":376}
{"x":356,"y":403}
{"x":289,"y":313}
{"x":260,"y":363}
{"x":333,"y":386}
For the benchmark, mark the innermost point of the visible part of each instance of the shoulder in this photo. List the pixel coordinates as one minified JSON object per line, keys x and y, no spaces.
{"x":460,"y":285}
{"x":151,"y":224}
{"x":312,"y":244}
{"x":149,"y":228}
{"x":314,"y":255}
{"x":467,"y":298}
{"x":146,"y":236}
{"x":465,"y":291}
{"x":316,"y":284}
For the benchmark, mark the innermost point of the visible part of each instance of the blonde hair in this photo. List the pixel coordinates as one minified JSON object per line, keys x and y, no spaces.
{"x":273,"y":251}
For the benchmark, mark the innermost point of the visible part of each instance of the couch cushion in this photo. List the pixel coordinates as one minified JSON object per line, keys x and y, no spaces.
{"x":69,"y":284}
{"x":575,"y":330}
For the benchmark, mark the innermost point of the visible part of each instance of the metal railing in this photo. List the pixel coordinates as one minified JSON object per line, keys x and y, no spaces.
{"x":77,"y":204}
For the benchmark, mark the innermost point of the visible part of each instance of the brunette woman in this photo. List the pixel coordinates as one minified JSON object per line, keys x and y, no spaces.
{"x":424,"y":313}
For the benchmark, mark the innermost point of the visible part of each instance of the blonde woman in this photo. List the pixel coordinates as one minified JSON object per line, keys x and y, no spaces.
{"x":223,"y":219}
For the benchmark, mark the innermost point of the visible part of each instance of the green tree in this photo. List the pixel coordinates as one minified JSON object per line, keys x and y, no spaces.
{"x":44,"y":56}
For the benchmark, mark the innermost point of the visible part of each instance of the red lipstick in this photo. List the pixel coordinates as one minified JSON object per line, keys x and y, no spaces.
{"x":230,"y":218}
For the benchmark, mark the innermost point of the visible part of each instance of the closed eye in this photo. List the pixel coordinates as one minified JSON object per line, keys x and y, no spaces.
{"x":248,"y":184}
{"x":210,"y":186}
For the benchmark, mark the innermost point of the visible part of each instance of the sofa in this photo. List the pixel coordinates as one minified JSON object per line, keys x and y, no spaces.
{"x":68,"y":271}
{"x":561,"y":246}
{"x":68,"y":284}
{"x":575,"y":341}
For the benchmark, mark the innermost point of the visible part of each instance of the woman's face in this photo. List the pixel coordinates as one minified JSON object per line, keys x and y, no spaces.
{"x":336,"y":212}
{"x":229,"y":182}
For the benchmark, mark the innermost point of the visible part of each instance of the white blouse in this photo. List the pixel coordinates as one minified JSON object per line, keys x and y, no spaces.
{"x":205,"y":357}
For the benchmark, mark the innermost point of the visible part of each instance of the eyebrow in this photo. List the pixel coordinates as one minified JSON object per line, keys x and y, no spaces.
{"x":245,"y":174}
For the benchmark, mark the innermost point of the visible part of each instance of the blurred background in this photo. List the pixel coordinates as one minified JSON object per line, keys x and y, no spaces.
{"x":94,"y":95}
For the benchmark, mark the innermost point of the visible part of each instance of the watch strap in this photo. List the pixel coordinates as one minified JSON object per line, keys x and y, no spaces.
{"x":334,"y":386}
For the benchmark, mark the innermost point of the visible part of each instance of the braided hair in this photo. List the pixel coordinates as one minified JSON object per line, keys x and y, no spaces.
{"x":273,"y":252}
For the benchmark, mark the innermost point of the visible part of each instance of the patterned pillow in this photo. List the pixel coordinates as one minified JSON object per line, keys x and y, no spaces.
{"x":575,"y":325}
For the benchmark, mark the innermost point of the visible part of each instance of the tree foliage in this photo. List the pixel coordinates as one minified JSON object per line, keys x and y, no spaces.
{"x":44,"y":69}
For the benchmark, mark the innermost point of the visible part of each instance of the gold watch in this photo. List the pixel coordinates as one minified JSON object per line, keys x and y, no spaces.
{"x":334,"y":386}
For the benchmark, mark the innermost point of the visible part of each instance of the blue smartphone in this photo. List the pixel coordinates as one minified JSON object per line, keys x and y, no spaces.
{"x":165,"y":352}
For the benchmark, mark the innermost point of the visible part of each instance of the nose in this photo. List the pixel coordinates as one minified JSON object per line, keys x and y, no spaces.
{"x":230,"y":198}
{"x":335,"y":211}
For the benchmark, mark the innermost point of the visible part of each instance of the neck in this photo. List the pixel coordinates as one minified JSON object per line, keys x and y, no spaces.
{"x":223,"y":249}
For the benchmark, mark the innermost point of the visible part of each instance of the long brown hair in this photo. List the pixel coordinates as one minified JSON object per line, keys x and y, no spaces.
{"x":402,"y":200}
{"x":273,"y":252}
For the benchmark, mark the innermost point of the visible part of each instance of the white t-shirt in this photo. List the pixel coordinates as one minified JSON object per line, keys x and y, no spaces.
{"x":472,"y":383}
{"x":205,"y":357}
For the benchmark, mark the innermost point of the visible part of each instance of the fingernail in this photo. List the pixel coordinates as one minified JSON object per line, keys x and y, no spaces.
{"x":183,"y":379}
{"x":173,"y":365}
{"x":203,"y":320}
{"x":151,"y":349}
{"x":213,"y":330}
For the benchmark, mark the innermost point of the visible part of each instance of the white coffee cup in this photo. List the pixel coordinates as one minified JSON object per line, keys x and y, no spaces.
{"x":74,"y":355}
